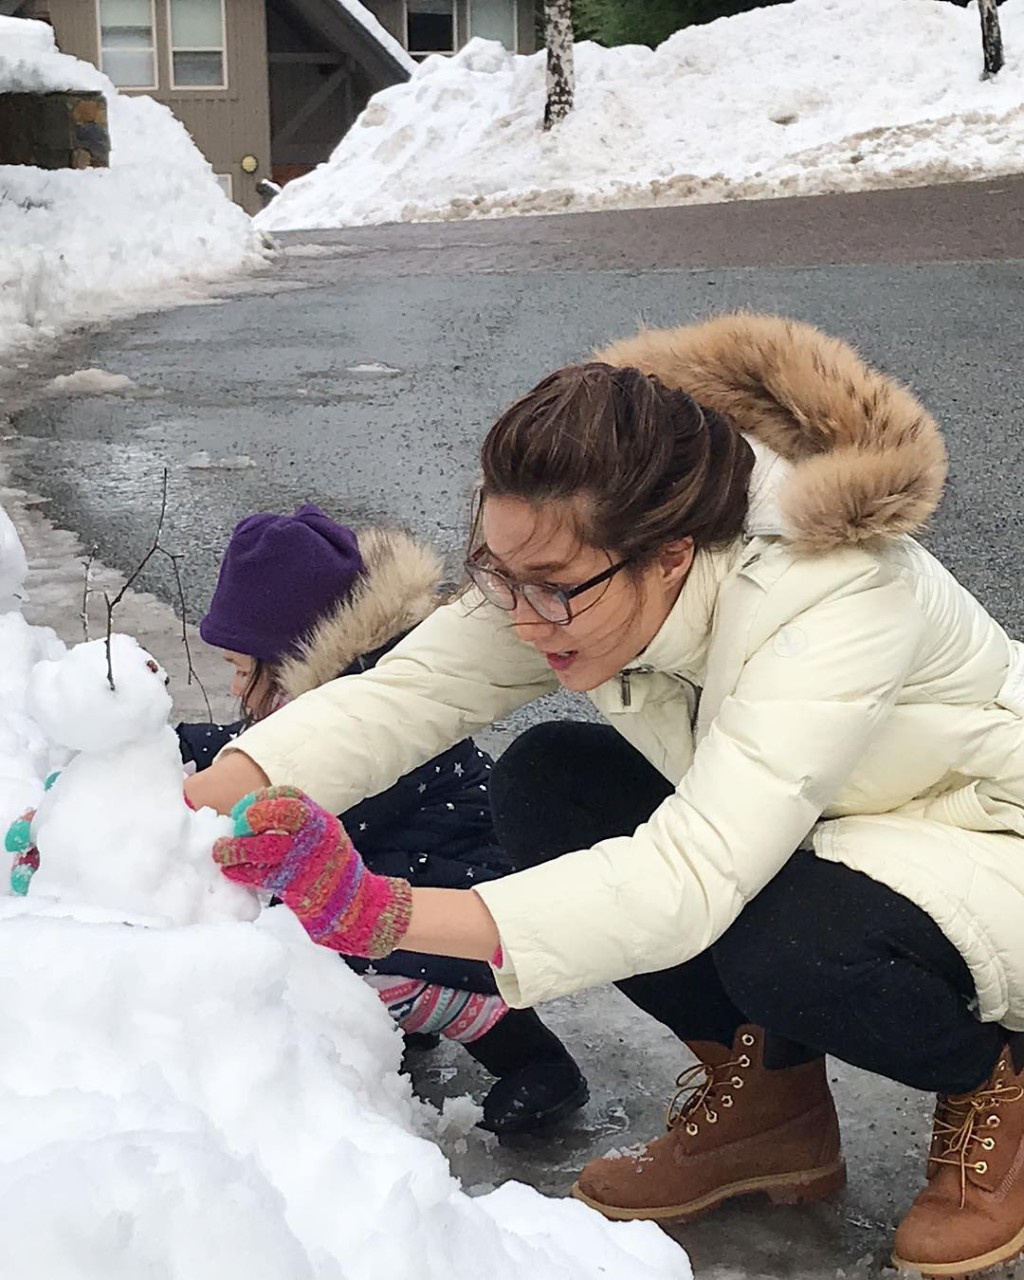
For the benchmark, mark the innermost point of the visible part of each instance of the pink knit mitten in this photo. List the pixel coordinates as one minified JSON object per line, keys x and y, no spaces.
{"x":286,"y":843}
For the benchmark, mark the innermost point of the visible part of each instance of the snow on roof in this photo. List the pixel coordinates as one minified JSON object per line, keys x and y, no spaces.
{"x":795,"y":99}
{"x":383,"y":37}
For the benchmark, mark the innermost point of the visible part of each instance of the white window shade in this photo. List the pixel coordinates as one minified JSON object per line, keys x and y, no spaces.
{"x":197,"y":44}
{"x":494,"y":20}
{"x":126,"y":43}
{"x":197,"y":24}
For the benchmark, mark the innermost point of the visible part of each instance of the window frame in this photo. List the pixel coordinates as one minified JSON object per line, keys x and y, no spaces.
{"x":172,"y":49}
{"x":429,"y":53}
{"x":227,"y":184}
{"x":515,"y":22}
{"x":154,"y":50}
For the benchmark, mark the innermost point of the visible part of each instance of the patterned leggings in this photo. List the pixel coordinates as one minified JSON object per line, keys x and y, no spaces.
{"x":427,"y":1008}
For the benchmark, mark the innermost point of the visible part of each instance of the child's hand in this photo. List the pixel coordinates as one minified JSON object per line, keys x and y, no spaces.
{"x":285,"y":843}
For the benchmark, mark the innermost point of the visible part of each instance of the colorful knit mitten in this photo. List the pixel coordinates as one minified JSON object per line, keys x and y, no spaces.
{"x":18,"y":841}
{"x":285,"y":843}
{"x":424,"y":1008}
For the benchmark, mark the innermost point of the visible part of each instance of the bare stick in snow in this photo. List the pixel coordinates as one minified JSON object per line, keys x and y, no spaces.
{"x":561,"y":77}
{"x":156,"y":548}
{"x":193,"y":674}
{"x":112,"y":604}
{"x":991,"y":37}
{"x":86,"y":592}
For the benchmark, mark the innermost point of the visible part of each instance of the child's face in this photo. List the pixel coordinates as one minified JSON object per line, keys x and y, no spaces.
{"x":242,"y":666}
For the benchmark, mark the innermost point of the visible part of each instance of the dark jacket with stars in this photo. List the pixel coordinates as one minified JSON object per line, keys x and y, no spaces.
{"x":433,"y":827}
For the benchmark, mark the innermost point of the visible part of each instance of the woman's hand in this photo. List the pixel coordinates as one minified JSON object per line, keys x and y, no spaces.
{"x":286,"y":843}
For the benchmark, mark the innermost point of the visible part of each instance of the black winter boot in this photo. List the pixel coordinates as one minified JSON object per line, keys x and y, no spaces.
{"x":538,"y":1082}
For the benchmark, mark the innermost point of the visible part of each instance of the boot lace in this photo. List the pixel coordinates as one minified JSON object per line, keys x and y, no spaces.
{"x":960,"y":1125}
{"x":702,"y":1087}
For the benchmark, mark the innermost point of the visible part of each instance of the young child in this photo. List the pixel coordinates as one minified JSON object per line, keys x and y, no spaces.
{"x":299,"y":602}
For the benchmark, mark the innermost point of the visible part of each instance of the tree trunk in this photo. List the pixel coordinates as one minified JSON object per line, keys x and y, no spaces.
{"x":561,"y":72}
{"x":991,"y":37}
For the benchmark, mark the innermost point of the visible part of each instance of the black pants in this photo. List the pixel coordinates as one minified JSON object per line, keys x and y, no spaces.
{"x":826,"y":959}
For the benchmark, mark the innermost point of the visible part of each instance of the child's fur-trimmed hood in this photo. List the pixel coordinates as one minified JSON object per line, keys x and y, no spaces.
{"x":400,"y":587}
{"x":868,"y":460}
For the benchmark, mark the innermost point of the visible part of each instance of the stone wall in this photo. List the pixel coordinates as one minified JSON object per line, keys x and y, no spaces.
{"x":61,"y":130}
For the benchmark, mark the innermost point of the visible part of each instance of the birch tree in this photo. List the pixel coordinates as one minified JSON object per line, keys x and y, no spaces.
{"x":991,"y":37}
{"x":561,"y":78}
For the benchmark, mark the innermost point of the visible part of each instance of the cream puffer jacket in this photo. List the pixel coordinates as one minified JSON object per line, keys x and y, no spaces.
{"x":854,"y":698}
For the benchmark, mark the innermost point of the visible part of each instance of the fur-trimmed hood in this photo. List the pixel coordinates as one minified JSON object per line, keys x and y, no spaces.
{"x":867,"y":459}
{"x":400,"y":588}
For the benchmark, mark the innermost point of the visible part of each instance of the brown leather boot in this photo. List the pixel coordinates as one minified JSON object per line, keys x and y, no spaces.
{"x":743,"y":1128}
{"x":971,"y":1214}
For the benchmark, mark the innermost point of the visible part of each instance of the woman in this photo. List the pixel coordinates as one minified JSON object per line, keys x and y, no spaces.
{"x":805,"y":836}
{"x":300,"y":600}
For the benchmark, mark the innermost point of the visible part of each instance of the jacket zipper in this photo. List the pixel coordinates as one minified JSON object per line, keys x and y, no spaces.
{"x":626,"y":695}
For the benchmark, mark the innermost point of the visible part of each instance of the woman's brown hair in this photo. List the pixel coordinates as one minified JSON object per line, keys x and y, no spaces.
{"x":652,"y":464}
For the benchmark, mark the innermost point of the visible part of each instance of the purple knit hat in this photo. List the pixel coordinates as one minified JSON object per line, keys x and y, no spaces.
{"x":280,"y":575}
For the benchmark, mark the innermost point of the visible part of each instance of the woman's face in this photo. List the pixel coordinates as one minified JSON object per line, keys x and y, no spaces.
{"x":612,"y":622}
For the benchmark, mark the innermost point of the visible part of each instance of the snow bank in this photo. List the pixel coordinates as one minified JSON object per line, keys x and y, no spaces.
{"x":796,"y":99}
{"x":78,"y":245}
{"x":213,"y":1101}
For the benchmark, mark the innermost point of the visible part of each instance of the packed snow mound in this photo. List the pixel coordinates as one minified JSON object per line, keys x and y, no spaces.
{"x":223,"y":1103}
{"x":81,"y":244}
{"x":796,"y":99}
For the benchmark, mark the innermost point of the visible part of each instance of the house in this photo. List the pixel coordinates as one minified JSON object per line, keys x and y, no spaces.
{"x":267,"y":87}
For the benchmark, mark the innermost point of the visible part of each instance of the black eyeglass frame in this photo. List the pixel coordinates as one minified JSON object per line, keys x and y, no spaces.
{"x":564,"y":594}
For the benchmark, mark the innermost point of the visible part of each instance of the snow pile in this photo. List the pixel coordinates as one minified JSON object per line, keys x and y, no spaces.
{"x":220,"y":1100}
{"x":80,"y":244}
{"x":796,"y":99}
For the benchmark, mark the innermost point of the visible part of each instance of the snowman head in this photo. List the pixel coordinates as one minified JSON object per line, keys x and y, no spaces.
{"x":72,"y":701}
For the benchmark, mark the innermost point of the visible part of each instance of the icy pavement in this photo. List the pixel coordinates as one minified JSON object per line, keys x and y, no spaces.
{"x":630,"y":1061}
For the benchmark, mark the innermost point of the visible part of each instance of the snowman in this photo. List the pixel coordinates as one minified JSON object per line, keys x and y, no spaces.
{"x":112,"y":830}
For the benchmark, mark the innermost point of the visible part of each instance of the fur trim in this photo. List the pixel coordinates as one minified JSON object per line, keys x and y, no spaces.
{"x":869,"y":460}
{"x":399,"y":589}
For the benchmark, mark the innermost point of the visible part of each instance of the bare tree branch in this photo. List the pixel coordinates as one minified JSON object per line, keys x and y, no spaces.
{"x":86,"y":592}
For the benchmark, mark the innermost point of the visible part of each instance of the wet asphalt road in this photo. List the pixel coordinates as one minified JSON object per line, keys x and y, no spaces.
{"x":362,"y":370}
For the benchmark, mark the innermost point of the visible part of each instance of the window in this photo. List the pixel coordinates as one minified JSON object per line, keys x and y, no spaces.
{"x":126,"y":43}
{"x":197,"y":44}
{"x":494,"y":20}
{"x":225,"y":182}
{"x":429,"y":26}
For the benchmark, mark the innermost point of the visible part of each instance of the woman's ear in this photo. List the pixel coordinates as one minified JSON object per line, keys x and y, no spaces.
{"x":675,"y":559}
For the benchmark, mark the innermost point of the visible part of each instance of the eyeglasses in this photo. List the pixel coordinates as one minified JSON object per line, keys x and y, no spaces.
{"x":550,"y":602}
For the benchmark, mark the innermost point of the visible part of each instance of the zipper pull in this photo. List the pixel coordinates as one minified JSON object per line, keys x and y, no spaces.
{"x":627,"y":696}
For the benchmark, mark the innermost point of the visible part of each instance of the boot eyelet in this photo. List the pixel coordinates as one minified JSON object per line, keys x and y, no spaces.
{"x":737,"y":1082}
{"x":744,"y":1061}
{"x":712,"y":1117}
{"x":747,"y":1039}
{"x":727,"y":1100}
{"x":993,"y":1122}
{"x":988,"y":1143}
{"x":692,"y":1130}
{"x":981,"y":1167}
